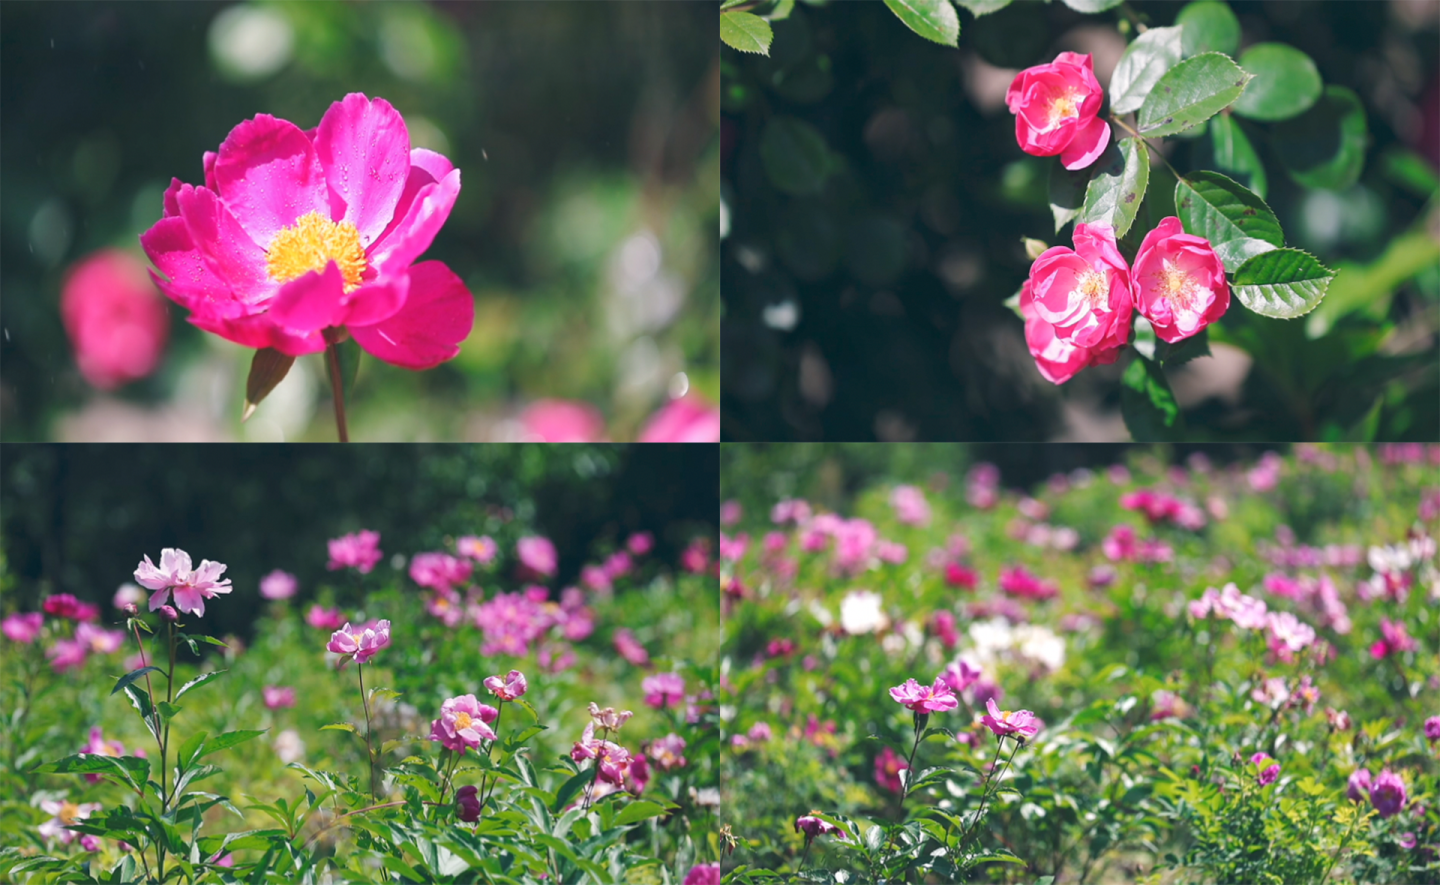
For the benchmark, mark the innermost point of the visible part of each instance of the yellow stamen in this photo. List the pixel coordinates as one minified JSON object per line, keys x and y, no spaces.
{"x":462,"y":721}
{"x":1094,"y":287}
{"x":312,"y":243}
{"x":1066,"y":106}
{"x":69,"y":813}
{"x":1176,"y":286}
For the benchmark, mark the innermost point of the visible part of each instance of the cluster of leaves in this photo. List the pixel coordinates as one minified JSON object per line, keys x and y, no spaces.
{"x":1142,"y":768}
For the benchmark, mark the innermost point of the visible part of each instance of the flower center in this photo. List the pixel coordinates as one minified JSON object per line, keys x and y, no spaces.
{"x":312,"y":243}
{"x":462,"y":721}
{"x":69,"y":813}
{"x":1177,"y":287}
{"x":1093,"y":286}
{"x":1066,"y":106}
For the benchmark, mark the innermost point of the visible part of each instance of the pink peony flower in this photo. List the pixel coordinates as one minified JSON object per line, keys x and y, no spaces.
{"x":1077,"y":304}
{"x":668,"y":752}
{"x":278,"y":697}
{"x":686,"y":419}
{"x":1019,"y":581}
{"x":935,"y":698}
{"x":960,"y":675}
{"x":640,"y":543}
{"x":664,"y":690}
{"x":630,"y":648}
{"x":562,"y":421}
{"x":64,"y":814}
{"x":439,"y":571}
{"x":1357,"y":788}
{"x":114,"y":318}
{"x":813,"y":826}
{"x":1057,"y":111}
{"x":65,"y":605}
{"x":464,"y":722}
{"x":278,"y":585}
{"x":1179,"y":282}
{"x":537,"y":554}
{"x":482,"y":549}
{"x":888,"y":766}
{"x":703,"y":874}
{"x":22,"y":628}
{"x":612,"y":761}
{"x":322,"y":618}
{"x":1267,"y":769}
{"x":507,"y":688}
{"x":361,"y":644}
{"x":358,"y":550}
{"x":298,"y":238}
{"x":191,"y":586}
{"x":1387,"y":793}
{"x":1019,"y":724}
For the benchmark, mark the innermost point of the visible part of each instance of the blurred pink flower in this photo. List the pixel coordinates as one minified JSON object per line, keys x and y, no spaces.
{"x":358,"y":550}
{"x":65,"y":605}
{"x":943,"y":623}
{"x":595,"y":577}
{"x":537,"y":554}
{"x":1268,"y":769}
{"x":696,"y":556}
{"x":813,"y":826}
{"x":730,"y":513}
{"x":1021,"y":582}
{"x":22,"y":628}
{"x":1387,"y":793}
{"x":733,"y":549}
{"x":562,"y":421}
{"x":888,"y":766}
{"x":1057,"y":111}
{"x":98,"y":640}
{"x":960,"y":675}
{"x":64,"y":813}
{"x":278,"y":696}
{"x":98,"y":746}
{"x":935,"y":698}
{"x":1019,"y":724}
{"x":612,"y":761}
{"x":640,"y":543}
{"x":1357,"y":788}
{"x":910,"y":505}
{"x":278,"y":585}
{"x":609,"y":718}
{"x":507,"y":688}
{"x":688,"y":419}
{"x":128,"y":594}
{"x":664,"y":690}
{"x":464,"y":722}
{"x":668,"y":752}
{"x":115,"y":319}
{"x":1432,"y":729}
{"x":1393,"y":639}
{"x":191,"y":586}
{"x":482,"y":549}
{"x":703,"y":874}
{"x":439,"y":571}
{"x":962,"y":576}
{"x":323,"y":618}
{"x":1179,"y":282}
{"x":282,"y":248}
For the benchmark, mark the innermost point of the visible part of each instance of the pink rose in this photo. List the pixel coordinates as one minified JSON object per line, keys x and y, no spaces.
{"x":687,"y":419}
{"x":114,"y":317}
{"x":1056,"y":108}
{"x":1077,"y":304}
{"x":1179,"y":282}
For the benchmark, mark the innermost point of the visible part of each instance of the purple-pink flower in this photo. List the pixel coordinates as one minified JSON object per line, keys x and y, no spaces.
{"x":482,"y":549}
{"x":22,"y":628}
{"x":888,"y":765}
{"x":322,"y":618}
{"x":1387,"y":793}
{"x":1019,"y":724}
{"x":612,"y":761}
{"x":630,"y":648}
{"x":98,"y":746}
{"x":703,"y":874}
{"x":960,"y":675}
{"x":439,"y":571}
{"x":467,"y":803}
{"x":668,"y":752}
{"x":537,"y":554}
{"x":508,"y":687}
{"x":1077,"y":304}
{"x":1432,"y":729}
{"x":278,"y":696}
{"x":1393,"y":639}
{"x":464,"y":722}
{"x":65,"y":605}
{"x":811,"y":825}
{"x":935,"y":698}
{"x":1267,"y":769}
{"x":358,"y":550}
{"x":1021,"y":582}
{"x":664,"y":690}
{"x":362,"y":643}
{"x":278,"y":585}
{"x":1357,"y":788}
{"x":190,"y":586}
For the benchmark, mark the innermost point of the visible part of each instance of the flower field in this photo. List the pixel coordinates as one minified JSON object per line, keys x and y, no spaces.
{"x":1152,"y":672}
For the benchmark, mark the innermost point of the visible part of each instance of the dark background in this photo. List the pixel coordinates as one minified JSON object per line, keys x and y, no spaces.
{"x":899,"y":268}
{"x":78,"y":518}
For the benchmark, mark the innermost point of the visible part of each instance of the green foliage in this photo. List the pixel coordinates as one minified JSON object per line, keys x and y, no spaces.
{"x":1282,"y":283}
{"x":1145,"y":61}
{"x":1325,"y":146}
{"x":1147,"y":402}
{"x":935,"y":20}
{"x":1209,"y":26}
{"x":1286,"y":82}
{"x":1233,"y":218}
{"x":1117,"y":186}
{"x":745,"y":32}
{"x":1190,"y":93}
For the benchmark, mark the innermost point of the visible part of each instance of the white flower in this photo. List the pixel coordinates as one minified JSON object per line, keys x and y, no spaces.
{"x":861,"y":612}
{"x":289,"y":747}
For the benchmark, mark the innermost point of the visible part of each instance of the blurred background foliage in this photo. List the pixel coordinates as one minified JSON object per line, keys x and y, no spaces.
{"x":78,"y":518}
{"x":875,"y":201}
{"x":586,"y":135}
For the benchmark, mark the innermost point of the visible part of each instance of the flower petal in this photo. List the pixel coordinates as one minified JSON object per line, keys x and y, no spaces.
{"x":229,"y":252}
{"x":311,"y":302}
{"x":259,"y":331}
{"x":269,"y":175}
{"x":190,"y":283}
{"x":1087,"y":145}
{"x":408,"y":238}
{"x":438,"y":314}
{"x":364,"y":148}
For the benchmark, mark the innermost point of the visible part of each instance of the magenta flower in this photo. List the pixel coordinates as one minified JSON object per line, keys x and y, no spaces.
{"x":439,"y":571}
{"x":630,"y":648}
{"x":1077,"y":304}
{"x":278,"y":585}
{"x":562,"y":421}
{"x":668,"y":752}
{"x":640,"y":543}
{"x":1019,"y":724}
{"x":278,"y":696}
{"x":888,"y":766}
{"x":191,"y":586}
{"x":467,"y":803}
{"x":1387,"y":793}
{"x":537,"y":554}
{"x":686,"y":419}
{"x":358,"y":550}
{"x":98,"y":746}
{"x":611,"y":759}
{"x":1267,"y":769}
{"x":1057,"y":111}
{"x":664,"y":690}
{"x":114,"y":318}
{"x":464,"y":722}
{"x":65,"y":605}
{"x":322,"y":618}
{"x":1179,"y":282}
{"x":300,"y":238}
{"x":960,"y":675}
{"x":1432,"y":729}
{"x":1393,"y":639}
{"x":23,"y":628}
{"x":811,"y":825}
{"x":1357,"y":788}
{"x":935,"y":698}
{"x":481,"y":549}
{"x":1021,"y":582}
{"x":703,"y":874}
{"x":361,"y":644}
{"x":508,"y":687}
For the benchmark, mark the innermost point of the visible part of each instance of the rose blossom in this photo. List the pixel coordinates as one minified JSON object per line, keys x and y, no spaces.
{"x":278,"y":696}
{"x":22,"y":628}
{"x":297,"y":238}
{"x":175,"y":575}
{"x":1057,"y":111}
{"x":278,"y":585}
{"x":358,"y":550}
{"x":464,"y":722}
{"x":1019,"y":724}
{"x":1357,"y":788}
{"x":506,"y":688}
{"x":1387,"y":793}
{"x":921,"y":699}
{"x":1077,"y":304}
{"x":1178,"y":281}
{"x":114,"y":318}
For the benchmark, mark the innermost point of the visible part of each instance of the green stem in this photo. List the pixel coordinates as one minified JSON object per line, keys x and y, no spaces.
{"x":910,"y":763}
{"x":369,"y":752}
{"x":490,"y":756}
{"x":1118,"y":122}
{"x":992,"y":782}
{"x":337,"y":390}
{"x":590,"y":789}
{"x":804,"y":854}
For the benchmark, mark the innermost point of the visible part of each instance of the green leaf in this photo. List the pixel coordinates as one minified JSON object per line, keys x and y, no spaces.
{"x":1145,"y":61}
{"x":746,"y":32}
{"x":571,"y":788}
{"x":268,"y":367}
{"x":1115,"y":193}
{"x":383,"y":694}
{"x":1233,"y":154}
{"x":1209,"y":26}
{"x":1325,"y":146}
{"x":197,"y":682}
{"x":1147,"y":404}
{"x":935,"y":20}
{"x":1286,"y":82}
{"x":130,"y":769}
{"x":1214,"y":207}
{"x":140,"y":700}
{"x":794,"y":155}
{"x":637,"y":811}
{"x":1190,"y":93}
{"x":227,"y":740}
{"x":997,"y":858}
{"x":1067,"y":192}
{"x":978,"y":8}
{"x":1033,"y":248}
{"x":190,"y":749}
{"x":1092,"y":6}
{"x":128,"y":678}
{"x":1184,"y":350}
{"x":168,"y":710}
{"x":1284,"y":283}
{"x":340,"y":726}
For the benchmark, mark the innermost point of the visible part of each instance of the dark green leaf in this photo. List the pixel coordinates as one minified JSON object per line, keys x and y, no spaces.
{"x":130,"y":769}
{"x":1147,"y":404}
{"x":935,"y":20}
{"x":794,"y":155}
{"x":1233,"y":154}
{"x":1184,"y":350}
{"x":1190,"y":93}
{"x":746,"y":32}
{"x":167,"y":710}
{"x":1325,"y":146}
{"x":1067,"y":192}
{"x":1144,"y":62}
{"x":571,"y":788}
{"x":227,"y":740}
{"x":130,"y":677}
{"x":997,"y":858}
{"x":197,"y":682}
{"x":1116,"y":191}
{"x":1214,"y":207}
{"x":983,"y":7}
{"x":268,"y":367}
{"x":1209,"y":26}
{"x":1283,"y":283}
{"x":1286,"y":82}
{"x":1092,"y":6}
{"x":140,"y":700}
{"x":190,"y":749}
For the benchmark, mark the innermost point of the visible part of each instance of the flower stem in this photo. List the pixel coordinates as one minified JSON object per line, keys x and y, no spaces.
{"x":1153,"y":149}
{"x":803,"y":855}
{"x":590,"y":790}
{"x":993,"y":779}
{"x":910,"y":763}
{"x":489,"y":754}
{"x":369,"y":752}
{"x":337,"y":390}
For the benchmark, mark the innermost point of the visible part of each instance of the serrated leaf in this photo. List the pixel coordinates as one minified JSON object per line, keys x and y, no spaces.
{"x":1118,"y":186}
{"x":746,"y":32}
{"x":1286,"y":82}
{"x":1092,"y":6}
{"x":1222,"y":211}
{"x":198,"y":681}
{"x":1232,"y":153}
{"x":1145,"y":61}
{"x":1283,"y":283}
{"x":1190,"y":93}
{"x":1325,"y":146}
{"x":1067,"y":191}
{"x":268,"y":367}
{"x":128,"y":678}
{"x":794,"y":155}
{"x":1147,"y":403}
{"x":935,"y":20}
{"x":1209,"y":26}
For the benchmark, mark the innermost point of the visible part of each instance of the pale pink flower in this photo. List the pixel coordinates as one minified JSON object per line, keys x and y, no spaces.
{"x":358,"y":550}
{"x":668,"y":752}
{"x":1021,"y":582}
{"x":630,"y":648}
{"x":1057,"y":111}
{"x":278,"y":584}
{"x":64,"y":813}
{"x":23,"y":628}
{"x":537,"y":554}
{"x":1179,"y":282}
{"x":361,"y":644}
{"x":910,"y":505}
{"x":191,"y":586}
{"x":464,"y":722}
{"x":609,"y":718}
{"x":482,"y":549}
{"x":278,"y":696}
{"x":925,"y":699}
{"x":507,"y":688}
{"x":960,"y":675}
{"x":98,"y":746}
{"x":439,"y":571}
{"x":1077,"y":304}
{"x":664,"y":690}
{"x":1393,"y":639}
{"x":562,"y":421}
{"x":611,"y":759}
{"x":322,"y":618}
{"x":1019,"y":724}
{"x":115,"y":319}
{"x":128,"y":594}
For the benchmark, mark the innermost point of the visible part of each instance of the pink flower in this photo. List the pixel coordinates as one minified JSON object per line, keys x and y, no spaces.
{"x":640,"y":543}
{"x":609,"y":718}
{"x":935,"y":698}
{"x":1057,"y":111}
{"x":1020,"y":724}
{"x":1019,"y":581}
{"x":703,"y":874}
{"x":507,"y":688}
{"x":957,"y":575}
{"x":482,"y":549}
{"x":98,"y":640}
{"x":361,"y":644}
{"x":668,"y":752}
{"x":98,"y":746}
{"x":1288,"y":634}
{"x":733,"y":549}
{"x":128,"y":594}
{"x":910,"y":505}
{"x":1166,"y":705}
{"x":638,"y":774}
{"x":325,"y":618}
{"x":1077,"y":304}
{"x":358,"y":550}
{"x":630,"y":648}
{"x":1357,"y":788}
{"x":299,"y":237}
{"x":888,"y":766}
{"x":64,"y":814}
{"x":191,"y":586}
{"x":439,"y":571}
{"x":467,"y":803}
{"x":278,"y":697}
{"x":611,"y":760}
{"x":813,"y":826}
{"x":730,"y":512}
{"x":65,"y":605}
{"x":944,"y":624}
{"x":23,"y":628}
{"x":1387,"y":793}
{"x":687,"y":419}
{"x":278,"y":585}
{"x":617,"y":564}
{"x":1393,"y":639}
{"x":1179,"y":282}
{"x":960,"y":675}
{"x":464,"y":722}
{"x":1268,"y":769}
{"x":562,"y":421}
{"x":1432,"y":729}
{"x":664,"y":690}
{"x":114,"y":318}
{"x":696,"y":556}
{"x":537,"y":554}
